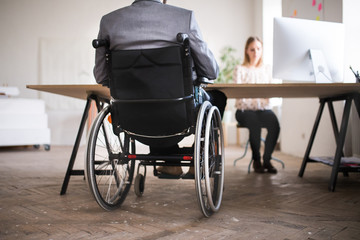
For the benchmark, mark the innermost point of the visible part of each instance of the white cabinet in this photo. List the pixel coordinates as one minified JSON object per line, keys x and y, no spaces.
{"x":23,"y":122}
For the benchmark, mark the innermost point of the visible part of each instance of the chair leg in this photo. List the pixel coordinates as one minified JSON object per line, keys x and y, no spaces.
{"x":249,"y":167}
{"x":242,"y":156}
{"x":278,"y":160}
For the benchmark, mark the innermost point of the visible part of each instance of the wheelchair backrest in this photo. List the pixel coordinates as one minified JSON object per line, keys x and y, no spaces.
{"x":152,"y":91}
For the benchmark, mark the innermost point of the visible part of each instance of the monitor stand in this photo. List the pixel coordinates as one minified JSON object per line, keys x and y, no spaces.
{"x":321,"y":70}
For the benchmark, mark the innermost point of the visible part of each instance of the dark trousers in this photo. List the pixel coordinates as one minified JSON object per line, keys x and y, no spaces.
{"x":254,"y":121}
{"x":218,"y":99}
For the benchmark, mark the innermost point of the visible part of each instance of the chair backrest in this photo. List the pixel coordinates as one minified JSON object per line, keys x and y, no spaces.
{"x":152,"y":91}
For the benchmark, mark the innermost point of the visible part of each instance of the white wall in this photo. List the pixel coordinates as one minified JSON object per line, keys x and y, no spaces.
{"x":352,"y":53}
{"x":25,"y":23}
{"x":45,"y":42}
{"x":270,"y":10}
{"x":352,"y":34}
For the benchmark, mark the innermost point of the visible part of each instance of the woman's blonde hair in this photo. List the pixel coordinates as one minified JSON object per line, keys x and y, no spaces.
{"x":246,"y":56}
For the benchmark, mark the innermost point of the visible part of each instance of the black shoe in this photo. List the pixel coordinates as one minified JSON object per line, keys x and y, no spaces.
{"x":188,"y":175}
{"x":270,"y":168}
{"x":258,"y":168}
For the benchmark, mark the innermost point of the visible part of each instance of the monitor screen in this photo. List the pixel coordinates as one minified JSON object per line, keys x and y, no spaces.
{"x":308,"y":51}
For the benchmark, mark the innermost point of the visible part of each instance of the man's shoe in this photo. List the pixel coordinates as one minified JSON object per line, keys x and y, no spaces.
{"x":258,"y":168}
{"x":270,"y":168}
{"x":188,"y":175}
{"x":170,"y":170}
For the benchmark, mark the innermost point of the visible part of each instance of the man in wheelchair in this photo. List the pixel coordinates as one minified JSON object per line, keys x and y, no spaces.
{"x":155,"y":62}
{"x":148,"y":24}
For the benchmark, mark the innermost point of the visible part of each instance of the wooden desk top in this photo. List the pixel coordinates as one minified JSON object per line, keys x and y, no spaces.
{"x":288,"y":90}
{"x":80,"y":91}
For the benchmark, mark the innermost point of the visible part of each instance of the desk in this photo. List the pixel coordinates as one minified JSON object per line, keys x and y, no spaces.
{"x":327,"y":93}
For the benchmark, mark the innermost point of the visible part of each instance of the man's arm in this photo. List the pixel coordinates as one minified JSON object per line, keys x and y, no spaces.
{"x":100,"y":68}
{"x":205,"y":63}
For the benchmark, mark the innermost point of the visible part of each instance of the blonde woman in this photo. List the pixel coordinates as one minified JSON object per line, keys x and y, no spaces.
{"x":255,"y":114}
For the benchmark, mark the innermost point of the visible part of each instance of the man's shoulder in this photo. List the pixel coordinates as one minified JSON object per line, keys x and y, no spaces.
{"x":165,"y":7}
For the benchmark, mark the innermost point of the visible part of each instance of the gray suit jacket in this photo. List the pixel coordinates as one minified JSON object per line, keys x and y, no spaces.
{"x":151,"y":24}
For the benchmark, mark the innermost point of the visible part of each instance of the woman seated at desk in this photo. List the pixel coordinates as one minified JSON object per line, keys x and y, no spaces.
{"x":255,"y":113}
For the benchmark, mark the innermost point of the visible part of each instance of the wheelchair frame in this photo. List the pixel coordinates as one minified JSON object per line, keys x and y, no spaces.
{"x":110,"y":158}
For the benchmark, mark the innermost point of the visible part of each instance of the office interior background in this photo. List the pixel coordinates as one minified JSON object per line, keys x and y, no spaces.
{"x":49,"y":42}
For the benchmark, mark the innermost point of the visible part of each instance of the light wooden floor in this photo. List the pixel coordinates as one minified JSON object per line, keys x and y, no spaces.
{"x":281,"y":206}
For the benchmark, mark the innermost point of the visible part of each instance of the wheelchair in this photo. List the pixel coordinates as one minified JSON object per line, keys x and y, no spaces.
{"x":155,"y":100}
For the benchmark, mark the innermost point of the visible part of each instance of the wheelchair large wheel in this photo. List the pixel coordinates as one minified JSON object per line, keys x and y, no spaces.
{"x":108,"y":173}
{"x":209,"y":159}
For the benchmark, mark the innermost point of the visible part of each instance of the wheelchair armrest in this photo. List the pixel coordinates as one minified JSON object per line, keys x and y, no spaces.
{"x":203,"y":80}
{"x":96,"y":43}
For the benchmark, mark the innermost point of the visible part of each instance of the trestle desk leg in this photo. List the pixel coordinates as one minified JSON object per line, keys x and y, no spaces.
{"x":334,"y":122}
{"x":340,"y":144}
{"x":312,"y":137}
{"x":76,"y":147}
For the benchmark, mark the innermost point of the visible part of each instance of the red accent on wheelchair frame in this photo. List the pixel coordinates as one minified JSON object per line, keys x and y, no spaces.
{"x":187,"y":158}
{"x":132,"y":156}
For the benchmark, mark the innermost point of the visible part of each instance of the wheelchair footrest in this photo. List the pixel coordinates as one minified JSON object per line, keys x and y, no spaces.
{"x":168,"y":176}
{"x":182,"y":176}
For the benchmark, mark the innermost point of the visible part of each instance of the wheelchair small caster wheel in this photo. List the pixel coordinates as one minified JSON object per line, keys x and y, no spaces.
{"x":47,"y":147}
{"x":139,"y":185}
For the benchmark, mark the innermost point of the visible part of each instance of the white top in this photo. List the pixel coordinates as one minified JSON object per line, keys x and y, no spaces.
{"x":243,"y":75}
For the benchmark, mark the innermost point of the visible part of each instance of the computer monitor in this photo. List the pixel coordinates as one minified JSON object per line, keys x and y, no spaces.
{"x":308,"y":51}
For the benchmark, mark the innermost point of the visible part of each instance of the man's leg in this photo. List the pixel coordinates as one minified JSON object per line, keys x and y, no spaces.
{"x":218,"y":99}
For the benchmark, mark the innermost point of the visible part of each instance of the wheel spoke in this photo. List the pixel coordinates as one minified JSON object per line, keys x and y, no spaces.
{"x":109,"y":178}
